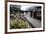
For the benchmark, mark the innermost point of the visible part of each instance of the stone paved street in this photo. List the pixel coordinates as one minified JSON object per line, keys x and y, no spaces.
{"x":33,"y":21}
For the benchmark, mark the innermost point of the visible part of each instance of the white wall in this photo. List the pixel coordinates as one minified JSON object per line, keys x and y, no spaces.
{"x":2,"y":15}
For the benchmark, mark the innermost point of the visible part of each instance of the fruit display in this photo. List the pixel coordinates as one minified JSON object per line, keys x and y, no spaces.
{"x":18,"y":23}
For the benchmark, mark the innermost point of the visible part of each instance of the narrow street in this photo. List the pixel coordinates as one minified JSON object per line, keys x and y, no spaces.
{"x":33,"y":21}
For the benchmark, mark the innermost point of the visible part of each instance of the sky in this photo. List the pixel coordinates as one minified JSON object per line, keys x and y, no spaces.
{"x":25,"y":8}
